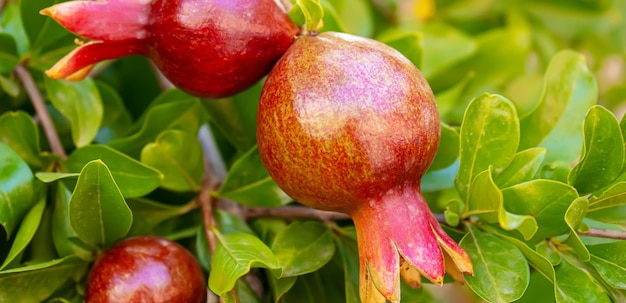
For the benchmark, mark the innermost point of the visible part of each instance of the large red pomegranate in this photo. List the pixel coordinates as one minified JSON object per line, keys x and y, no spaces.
{"x":349,"y":124}
{"x":208,"y":48}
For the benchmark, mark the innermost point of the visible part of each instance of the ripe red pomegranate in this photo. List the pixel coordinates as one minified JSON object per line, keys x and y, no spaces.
{"x":208,"y":48}
{"x":146,"y":269}
{"x":348,"y":124}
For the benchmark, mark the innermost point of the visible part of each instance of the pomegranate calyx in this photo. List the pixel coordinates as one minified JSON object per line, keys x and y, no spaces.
{"x":398,"y":236}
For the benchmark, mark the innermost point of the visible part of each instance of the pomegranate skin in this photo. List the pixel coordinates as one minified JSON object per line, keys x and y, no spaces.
{"x":207,"y":48}
{"x":343,"y":119}
{"x":349,"y":124}
{"x":146,"y":269}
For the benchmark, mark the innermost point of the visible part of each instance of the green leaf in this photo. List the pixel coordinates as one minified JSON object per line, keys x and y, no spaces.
{"x":8,"y":53}
{"x":489,"y":137}
{"x":178,"y":156}
{"x":447,"y":46}
{"x":248,"y":183}
{"x":25,"y":233}
{"x":303,"y":247}
{"x":229,"y":223}
{"x":147,"y":214}
{"x":280,"y":286}
{"x":311,"y":10}
{"x":448,"y":150}
{"x":236,"y":117}
{"x":610,"y":262}
{"x":186,"y":115}
{"x":16,"y":189}
{"x":574,"y":217}
{"x":347,"y":247}
{"x":10,"y":86}
{"x":409,"y":43}
{"x":603,"y":152}
{"x":573,"y":284}
{"x":116,"y":119}
{"x":352,"y":16}
{"x":501,"y":273}
{"x":133,"y":178}
{"x":64,"y":237}
{"x":523,"y":167}
{"x":610,"y":207}
{"x":18,"y":130}
{"x":546,"y":200}
{"x":80,"y":103}
{"x":98,"y":213}
{"x":49,"y":177}
{"x":234,"y":255}
{"x":35,"y":283}
{"x":569,"y":90}
{"x":12,"y":24}
{"x":42,"y":31}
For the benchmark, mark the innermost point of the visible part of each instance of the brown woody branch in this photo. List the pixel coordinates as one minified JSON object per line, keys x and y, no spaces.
{"x":40,"y":108}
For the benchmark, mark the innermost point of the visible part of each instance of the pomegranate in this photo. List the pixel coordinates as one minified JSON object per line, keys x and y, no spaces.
{"x":348,"y":124}
{"x":207,"y":48}
{"x":146,"y":269}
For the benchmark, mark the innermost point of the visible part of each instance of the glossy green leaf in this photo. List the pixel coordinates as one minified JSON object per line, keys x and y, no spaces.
{"x":569,"y":90}
{"x":409,"y":43}
{"x":116,"y":120}
{"x":489,"y":137}
{"x":448,"y":150}
{"x":248,"y":183}
{"x":524,"y":167}
{"x":42,"y":31}
{"x":8,"y":53}
{"x":610,"y":207}
{"x":97,"y":210}
{"x":536,"y":260}
{"x":354,"y":16}
{"x":317,"y":287}
{"x":307,"y":12}
{"x":35,"y":283}
{"x":133,"y":178}
{"x":18,"y":130}
{"x":147,"y":214}
{"x":574,"y":217}
{"x":446,"y":46}
{"x":303,"y":247}
{"x":49,"y":177}
{"x":603,"y":152}
{"x":557,"y":171}
{"x":547,"y":250}
{"x":64,"y":238}
{"x":80,"y":103}
{"x":228,"y":222}
{"x":235,"y":117}
{"x":25,"y":233}
{"x":280,"y":286}
{"x":610,"y":262}
{"x":546,"y":200}
{"x":349,"y":252}
{"x":12,"y":24}
{"x":178,"y":156}
{"x":10,"y":86}
{"x":185,"y":115}
{"x":501,"y":273}
{"x":234,"y":256}
{"x":577,"y":285}
{"x":16,"y":189}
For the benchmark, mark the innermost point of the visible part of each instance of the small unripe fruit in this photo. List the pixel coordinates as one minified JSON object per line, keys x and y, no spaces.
{"x":349,"y":124}
{"x":207,"y":48}
{"x":146,"y":269}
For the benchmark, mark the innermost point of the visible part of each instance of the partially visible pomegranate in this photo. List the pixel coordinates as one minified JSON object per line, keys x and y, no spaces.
{"x":146,"y":269}
{"x":348,"y":124}
{"x":208,"y":48}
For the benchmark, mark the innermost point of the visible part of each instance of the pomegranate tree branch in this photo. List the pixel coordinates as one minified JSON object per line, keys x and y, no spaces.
{"x":40,"y":108}
{"x":604,"y":233}
{"x":207,"y":203}
{"x":295,"y":212}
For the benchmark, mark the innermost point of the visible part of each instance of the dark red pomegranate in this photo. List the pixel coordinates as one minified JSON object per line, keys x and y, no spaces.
{"x":349,"y":124}
{"x":148,"y":270}
{"x":208,"y":48}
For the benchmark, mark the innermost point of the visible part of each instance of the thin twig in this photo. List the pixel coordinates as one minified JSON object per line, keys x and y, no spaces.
{"x":295,"y":212}
{"x":604,"y":233}
{"x":207,"y":202}
{"x":40,"y":107}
